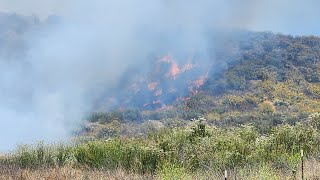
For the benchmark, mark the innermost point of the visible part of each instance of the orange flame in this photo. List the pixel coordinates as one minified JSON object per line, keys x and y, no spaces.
{"x":152,"y":86}
{"x":194,"y":88}
{"x":174,"y":71}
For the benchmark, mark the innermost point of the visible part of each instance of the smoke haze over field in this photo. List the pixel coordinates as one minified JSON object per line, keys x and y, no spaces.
{"x":285,"y":16}
{"x":69,"y":63}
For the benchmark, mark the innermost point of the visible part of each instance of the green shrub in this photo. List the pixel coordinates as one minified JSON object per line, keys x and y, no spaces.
{"x":26,"y":157}
{"x":184,"y":150}
{"x":314,"y":120}
{"x":172,"y":172}
{"x":116,"y":153}
{"x":42,"y":155}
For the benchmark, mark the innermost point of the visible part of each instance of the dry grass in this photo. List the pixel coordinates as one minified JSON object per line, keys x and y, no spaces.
{"x":312,"y":172}
{"x":67,"y":173}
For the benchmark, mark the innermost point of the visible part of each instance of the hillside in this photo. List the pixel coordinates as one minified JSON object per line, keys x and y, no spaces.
{"x":263,"y":79}
{"x":276,"y":79}
{"x":14,"y":30}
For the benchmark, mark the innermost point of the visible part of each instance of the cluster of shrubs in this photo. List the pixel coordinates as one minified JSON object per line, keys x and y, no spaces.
{"x":198,"y":147}
{"x":121,"y":116}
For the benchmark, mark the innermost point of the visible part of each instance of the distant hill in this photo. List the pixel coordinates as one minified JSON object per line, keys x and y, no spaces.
{"x":16,"y":30}
{"x":13,"y":31}
{"x":247,"y":62}
{"x":274,"y":81}
{"x":260,"y":78}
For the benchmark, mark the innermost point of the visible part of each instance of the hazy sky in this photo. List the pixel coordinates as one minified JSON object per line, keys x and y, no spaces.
{"x":40,"y":8}
{"x":286,"y":16}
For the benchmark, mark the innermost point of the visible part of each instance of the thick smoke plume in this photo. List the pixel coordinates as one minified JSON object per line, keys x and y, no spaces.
{"x":70,"y":62}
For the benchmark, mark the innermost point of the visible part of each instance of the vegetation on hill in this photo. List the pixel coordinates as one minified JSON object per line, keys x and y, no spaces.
{"x":258,"y":107}
{"x":269,"y":80}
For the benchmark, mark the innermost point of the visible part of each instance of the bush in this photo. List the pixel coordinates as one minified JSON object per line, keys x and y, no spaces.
{"x":170,"y":171}
{"x":116,"y":153}
{"x":314,"y":120}
{"x":41,"y":155}
{"x":266,"y":107}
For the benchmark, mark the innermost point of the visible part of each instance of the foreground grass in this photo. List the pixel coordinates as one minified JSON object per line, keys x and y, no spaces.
{"x":66,"y":173}
{"x":170,"y":172}
{"x":198,"y":151}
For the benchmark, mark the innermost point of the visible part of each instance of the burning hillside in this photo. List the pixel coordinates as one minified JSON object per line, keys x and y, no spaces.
{"x":167,"y":80}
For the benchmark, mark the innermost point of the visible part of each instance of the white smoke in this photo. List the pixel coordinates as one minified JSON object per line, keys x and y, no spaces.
{"x":70,"y":63}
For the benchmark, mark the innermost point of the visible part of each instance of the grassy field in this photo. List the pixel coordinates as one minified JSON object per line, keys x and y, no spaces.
{"x":195,"y":151}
